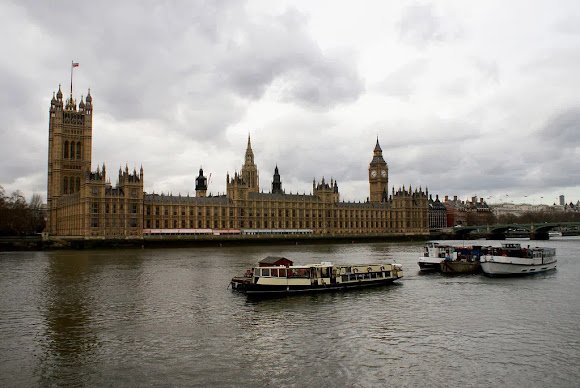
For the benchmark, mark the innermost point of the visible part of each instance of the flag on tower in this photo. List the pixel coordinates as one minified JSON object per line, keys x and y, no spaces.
{"x":75,"y":64}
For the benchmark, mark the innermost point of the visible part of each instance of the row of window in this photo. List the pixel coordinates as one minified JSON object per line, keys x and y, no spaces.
{"x":112,"y":208}
{"x":221,"y":224}
{"x":72,"y":150}
{"x":132,"y":222}
{"x":71,"y":184}
{"x":241,"y":212}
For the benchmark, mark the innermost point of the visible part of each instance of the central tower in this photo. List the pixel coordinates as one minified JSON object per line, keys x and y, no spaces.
{"x":378,"y":175}
{"x":250,"y":170}
{"x":70,"y":132}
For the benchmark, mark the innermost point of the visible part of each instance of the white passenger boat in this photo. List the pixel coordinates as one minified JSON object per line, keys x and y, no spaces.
{"x":511,"y":259}
{"x":433,"y":255}
{"x":272,"y":277}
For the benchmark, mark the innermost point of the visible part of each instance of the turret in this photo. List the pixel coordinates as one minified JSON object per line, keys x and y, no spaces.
{"x":59,"y":94}
{"x":249,"y":171}
{"x":326,"y":192}
{"x":200,"y":184}
{"x":276,"y":182}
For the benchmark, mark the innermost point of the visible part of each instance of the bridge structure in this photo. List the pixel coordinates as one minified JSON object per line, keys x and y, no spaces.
{"x":535,"y":231}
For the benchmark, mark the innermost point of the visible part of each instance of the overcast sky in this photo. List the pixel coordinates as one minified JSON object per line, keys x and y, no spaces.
{"x":467,"y":98}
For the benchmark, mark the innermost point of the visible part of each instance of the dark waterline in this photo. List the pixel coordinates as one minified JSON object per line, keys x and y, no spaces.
{"x":166,"y":318}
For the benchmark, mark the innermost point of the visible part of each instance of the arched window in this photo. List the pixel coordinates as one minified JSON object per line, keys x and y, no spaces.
{"x":72,"y":149}
{"x":65,"y":150}
{"x":65,"y":185}
{"x":78,"y":150}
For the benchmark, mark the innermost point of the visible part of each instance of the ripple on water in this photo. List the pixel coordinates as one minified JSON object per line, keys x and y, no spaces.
{"x":166,"y":317}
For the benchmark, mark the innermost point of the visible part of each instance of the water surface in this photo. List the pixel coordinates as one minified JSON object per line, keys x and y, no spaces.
{"x":166,"y":318}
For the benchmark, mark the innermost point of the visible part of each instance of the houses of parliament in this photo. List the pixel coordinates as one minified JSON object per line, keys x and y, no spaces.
{"x":82,"y":203}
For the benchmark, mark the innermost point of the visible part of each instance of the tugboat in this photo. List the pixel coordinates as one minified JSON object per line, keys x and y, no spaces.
{"x":511,"y":259}
{"x":278,"y":276}
{"x":433,"y":255}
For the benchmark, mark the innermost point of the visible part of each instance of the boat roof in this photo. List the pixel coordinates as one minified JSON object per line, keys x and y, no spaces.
{"x":274,"y":260}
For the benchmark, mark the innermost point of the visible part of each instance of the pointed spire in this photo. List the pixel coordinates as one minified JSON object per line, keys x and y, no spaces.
{"x":378,"y":146}
{"x":249,"y":152}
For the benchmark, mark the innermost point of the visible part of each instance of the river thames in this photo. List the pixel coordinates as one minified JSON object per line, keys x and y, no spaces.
{"x":167,"y":318}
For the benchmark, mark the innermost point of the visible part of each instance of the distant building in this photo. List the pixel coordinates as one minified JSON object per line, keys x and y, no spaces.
{"x":437,"y":213}
{"x":504,"y":209}
{"x":472,"y":212}
{"x":562,"y":200}
{"x":83,"y":203}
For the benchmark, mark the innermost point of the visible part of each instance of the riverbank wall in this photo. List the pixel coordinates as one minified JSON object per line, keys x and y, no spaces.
{"x":38,"y":243}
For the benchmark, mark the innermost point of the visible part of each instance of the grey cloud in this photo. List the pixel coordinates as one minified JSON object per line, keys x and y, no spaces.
{"x":133,"y":52}
{"x":403,"y":81}
{"x":282,"y":50}
{"x":563,"y":128}
{"x":328,"y":82}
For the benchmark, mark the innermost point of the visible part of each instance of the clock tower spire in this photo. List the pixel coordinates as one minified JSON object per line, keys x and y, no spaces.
{"x":378,"y":175}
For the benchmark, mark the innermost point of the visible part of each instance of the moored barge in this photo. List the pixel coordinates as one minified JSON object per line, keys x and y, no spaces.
{"x":278,"y":276}
{"x":451,"y":259}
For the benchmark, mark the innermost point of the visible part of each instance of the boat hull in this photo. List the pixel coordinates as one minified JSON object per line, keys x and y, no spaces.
{"x":458,"y":267}
{"x":249,"y":288}
{"x":429,"y":266}
{"x":500,"y":266}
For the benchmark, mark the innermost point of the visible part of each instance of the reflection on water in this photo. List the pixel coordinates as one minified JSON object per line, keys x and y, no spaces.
{"x":69,"y":339}
{"x":167,"y":317}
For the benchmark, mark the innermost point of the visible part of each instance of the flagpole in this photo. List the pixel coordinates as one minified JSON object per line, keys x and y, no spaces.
{"x":71,"y":75}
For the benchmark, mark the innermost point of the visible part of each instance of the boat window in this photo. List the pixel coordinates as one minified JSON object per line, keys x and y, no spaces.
{"x":282,"y":272}
{"x":298,"y":273}
{"x":265,"y":271}
{"x":274,"y":272}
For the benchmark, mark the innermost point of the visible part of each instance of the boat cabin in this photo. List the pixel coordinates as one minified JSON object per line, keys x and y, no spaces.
{"x":433,"y":249}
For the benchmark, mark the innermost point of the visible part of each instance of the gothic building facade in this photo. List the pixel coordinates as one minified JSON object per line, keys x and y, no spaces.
{"x":83,"y":203}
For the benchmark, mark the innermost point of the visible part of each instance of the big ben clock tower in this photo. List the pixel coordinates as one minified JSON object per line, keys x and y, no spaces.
{"x":378,"y":175}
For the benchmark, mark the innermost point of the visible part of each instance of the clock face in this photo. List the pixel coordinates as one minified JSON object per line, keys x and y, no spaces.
{"x":384,"y":173}
{"x":374,"y":173}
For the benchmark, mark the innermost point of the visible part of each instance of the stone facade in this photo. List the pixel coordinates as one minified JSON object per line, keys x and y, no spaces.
{"x":83,"y":203}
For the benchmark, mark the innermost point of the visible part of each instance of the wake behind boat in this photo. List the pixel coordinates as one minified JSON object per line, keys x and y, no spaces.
{"x":278,"y":276}
{"x":511,"y":259}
